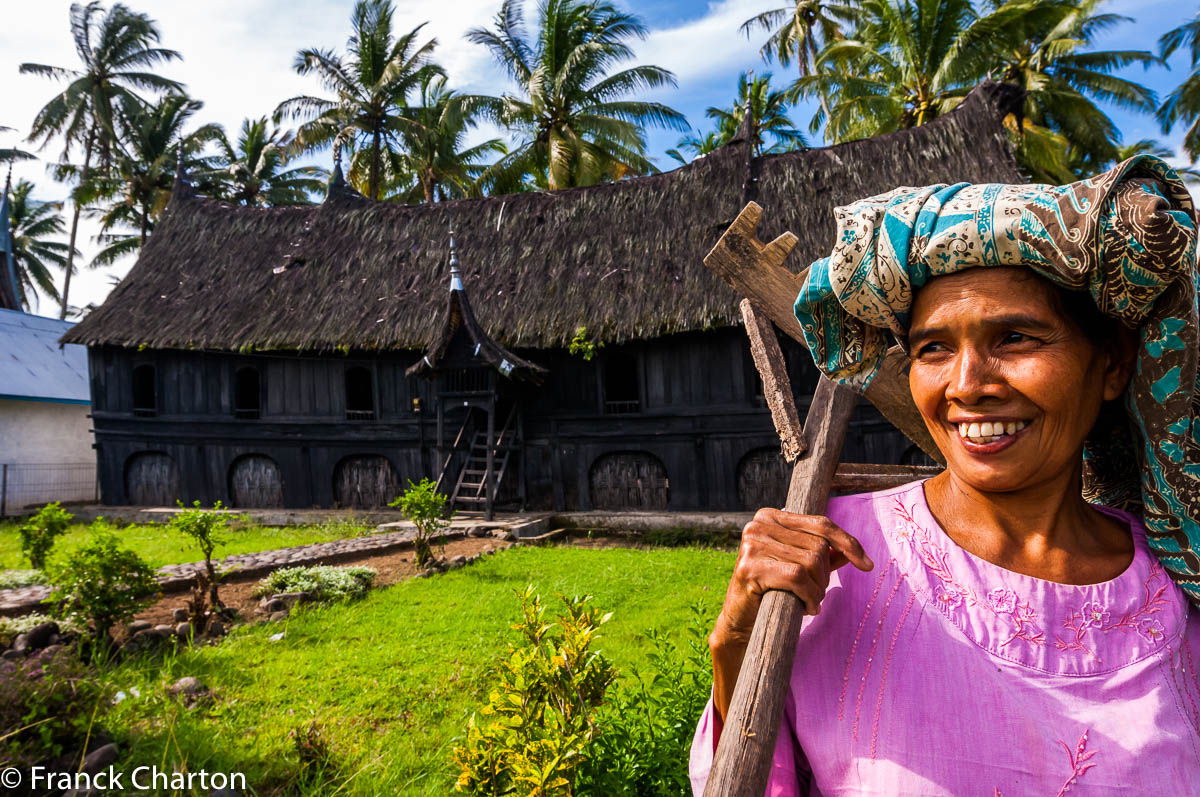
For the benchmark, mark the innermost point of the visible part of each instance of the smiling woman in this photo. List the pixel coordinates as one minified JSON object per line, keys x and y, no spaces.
{"x":1020,"y":604}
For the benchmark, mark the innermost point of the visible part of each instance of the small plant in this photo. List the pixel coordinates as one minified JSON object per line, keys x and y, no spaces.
{"x":542,"y":709}
{"x":10,"y":627}
{"x":39,"y":532}
{"x":48,"y":703}
{"x":426,"y":508}
{"x":102,"y":583}
{"x":322,"y":583}
{"x":11,"y":579}
{"x":647,"y":723}
{"x":583,"y":344}
{"x":208,"y":529}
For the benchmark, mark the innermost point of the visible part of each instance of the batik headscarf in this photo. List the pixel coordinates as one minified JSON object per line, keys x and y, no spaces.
{"x":1127,"y":236}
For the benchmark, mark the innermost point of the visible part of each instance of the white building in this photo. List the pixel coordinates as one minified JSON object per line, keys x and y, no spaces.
{"x":45,"y":430}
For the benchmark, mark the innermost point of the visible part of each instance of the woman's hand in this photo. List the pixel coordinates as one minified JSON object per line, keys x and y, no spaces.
{"x":779,"y":550}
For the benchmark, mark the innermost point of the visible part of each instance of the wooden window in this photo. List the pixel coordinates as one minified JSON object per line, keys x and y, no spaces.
{"x":360,"y":395}
{"x":622,"y":385}
{"x":247,"y":394}
{"x":145,"y":391}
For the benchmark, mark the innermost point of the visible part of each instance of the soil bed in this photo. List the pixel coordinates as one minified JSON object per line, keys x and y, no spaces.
{"x":389,"y":569}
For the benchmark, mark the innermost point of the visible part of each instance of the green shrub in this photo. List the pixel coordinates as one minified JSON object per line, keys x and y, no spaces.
{"x":322,"y":582}
{"x":541,"y":713}
{"x":101,"y":582}
{"x":647,"y":724}
{"x":39,"y":532}
{"x":11,"y":579}
{"x":208,"y":530}
{"x":426,"y":508}
{"x":11,"y":626}
{"x":48,"y":703}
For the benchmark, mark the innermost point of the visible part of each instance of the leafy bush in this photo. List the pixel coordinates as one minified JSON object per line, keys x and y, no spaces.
{"x":11,"y":579}
{"x":208,"y":529}
{"x":647,"y":725}
{"x":584,"y":344}
{"x":343,"y":528}
{"x":39,"y":532}
{"x":543,"y":706}
{"x":101,"y":582}
{"x":426,"y":508}
{"x":322,"y":582}
{"x":47,"y":705}
{"x":11,"y":626}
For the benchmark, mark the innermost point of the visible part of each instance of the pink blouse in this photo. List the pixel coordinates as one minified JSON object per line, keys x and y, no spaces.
{"x":939,"y":673}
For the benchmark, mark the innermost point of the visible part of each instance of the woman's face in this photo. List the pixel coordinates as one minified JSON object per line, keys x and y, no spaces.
{"x":1008,"y":386}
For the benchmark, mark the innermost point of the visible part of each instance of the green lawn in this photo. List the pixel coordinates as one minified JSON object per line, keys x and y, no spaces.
{"x":159,"y":546}
{"x":391,"y":680}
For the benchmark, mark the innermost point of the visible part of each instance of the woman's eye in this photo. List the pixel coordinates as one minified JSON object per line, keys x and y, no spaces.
{"x":929,"y":348}
{"x":1014,"y":337}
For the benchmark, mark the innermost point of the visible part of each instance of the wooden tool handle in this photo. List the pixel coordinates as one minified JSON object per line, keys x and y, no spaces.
{"x":746,"y":749}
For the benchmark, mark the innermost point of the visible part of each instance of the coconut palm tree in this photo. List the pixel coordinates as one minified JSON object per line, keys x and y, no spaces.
{"x":118,"y":52}
{"x":139,"y":184}
{"x":696,"y":145}
{"x":1042,"y":46}
{"x":799,"y":31}
{"x":8,"y":155}
{"x":901,"y":67}
{"x":1183,"y":104}
{"x":33,"y":224}
{"x":370,"y":84}
{"x":252,"y":170}
{"x":768,"y":116}
{"x":433,"y":150}
{"x":574,"y":121}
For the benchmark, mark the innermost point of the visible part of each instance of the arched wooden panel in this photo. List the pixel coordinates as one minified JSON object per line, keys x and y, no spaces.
{"x":151,"y":479}
{"x":365,"y":481}
{"x":762,"y":479}
{"x":629,"y":480}
{"x":255,"y":483}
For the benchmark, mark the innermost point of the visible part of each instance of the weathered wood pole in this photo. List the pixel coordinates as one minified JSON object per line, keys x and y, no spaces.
{"x":744,"y":753}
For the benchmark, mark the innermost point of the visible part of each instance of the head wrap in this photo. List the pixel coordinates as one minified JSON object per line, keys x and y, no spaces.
{"x":1127,"y":237}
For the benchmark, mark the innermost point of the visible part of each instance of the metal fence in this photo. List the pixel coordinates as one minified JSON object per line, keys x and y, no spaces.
{"x":26,"y":487}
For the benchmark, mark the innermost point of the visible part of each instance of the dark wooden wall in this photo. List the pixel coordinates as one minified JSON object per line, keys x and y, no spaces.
{"x":699,"y":421}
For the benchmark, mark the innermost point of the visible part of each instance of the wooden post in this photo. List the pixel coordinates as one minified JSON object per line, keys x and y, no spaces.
{"x":4,"y":491}
{"x":742,"y":762}
{"x":743,"y":759}
{"x":488,"y":476}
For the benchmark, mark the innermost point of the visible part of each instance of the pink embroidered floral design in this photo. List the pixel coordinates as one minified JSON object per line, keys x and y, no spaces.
{"x":1095,"y":616}
{"x":1080,"y":762}
{"x":1151,"y":629}
{"x":952,"y":594}
{"x":948,"y":596}
{"x":1002,"y":601}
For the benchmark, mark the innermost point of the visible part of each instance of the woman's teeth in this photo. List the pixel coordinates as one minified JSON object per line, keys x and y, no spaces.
{"x":989,"y":431}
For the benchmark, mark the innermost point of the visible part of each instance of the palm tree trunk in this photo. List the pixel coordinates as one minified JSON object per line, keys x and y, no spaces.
{"x":83,"y":176}
{"x":145,"y":222}
{"x":376,"y":163}
{"x":427,"y":183}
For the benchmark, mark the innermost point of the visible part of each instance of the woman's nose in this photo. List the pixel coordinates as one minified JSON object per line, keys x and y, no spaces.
{"x":973,"y":377}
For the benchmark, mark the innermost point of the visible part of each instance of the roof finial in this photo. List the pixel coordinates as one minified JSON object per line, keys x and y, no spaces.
{"x":337,"y":151}
{"x":8,"y":179}
{"x":455,"y":274}
{"x":181,"y":187}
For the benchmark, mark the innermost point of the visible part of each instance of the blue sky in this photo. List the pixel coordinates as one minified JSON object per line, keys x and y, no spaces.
{"x":238,"y":54}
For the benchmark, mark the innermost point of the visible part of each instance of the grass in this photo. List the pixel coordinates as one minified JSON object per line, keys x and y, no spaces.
{"x":159,"y":547}
{"x":390,"y":681}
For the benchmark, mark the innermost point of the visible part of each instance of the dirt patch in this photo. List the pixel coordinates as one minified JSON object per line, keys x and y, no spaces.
{"x":389,"y":567}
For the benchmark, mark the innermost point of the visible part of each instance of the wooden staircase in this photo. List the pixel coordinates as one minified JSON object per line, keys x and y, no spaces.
{"x":470,"y":491}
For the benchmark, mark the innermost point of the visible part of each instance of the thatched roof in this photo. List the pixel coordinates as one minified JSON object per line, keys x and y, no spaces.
{"x":623,"y":259}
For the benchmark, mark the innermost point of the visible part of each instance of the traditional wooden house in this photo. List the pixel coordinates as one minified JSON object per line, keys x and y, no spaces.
{"x":322,"y":356}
